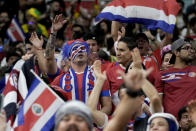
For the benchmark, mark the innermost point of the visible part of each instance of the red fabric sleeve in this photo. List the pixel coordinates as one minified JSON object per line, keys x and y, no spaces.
{"x":157,"y":55}
{"x":159,"y":83}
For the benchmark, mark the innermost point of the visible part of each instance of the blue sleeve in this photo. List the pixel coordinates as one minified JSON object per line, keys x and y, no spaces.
{"x":105,"y":93}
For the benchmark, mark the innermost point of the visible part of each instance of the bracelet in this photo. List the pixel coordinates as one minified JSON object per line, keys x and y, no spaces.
{"x":132,"y":93}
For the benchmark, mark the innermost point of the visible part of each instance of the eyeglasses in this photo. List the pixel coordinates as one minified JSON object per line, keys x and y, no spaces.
{"x":187,"y":48}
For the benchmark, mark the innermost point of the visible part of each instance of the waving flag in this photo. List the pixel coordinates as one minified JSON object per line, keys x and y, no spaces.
{"x":152,"y":14}
{"x":14,"y":94}
{"x":39,"y":108}
{"x":15,"y":32}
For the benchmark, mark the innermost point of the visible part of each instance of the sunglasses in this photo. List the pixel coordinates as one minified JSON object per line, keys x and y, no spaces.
{"x":187,"y":48}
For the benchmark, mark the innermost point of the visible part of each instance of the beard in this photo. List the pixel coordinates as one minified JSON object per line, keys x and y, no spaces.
{"x":72,"y":127}
{"x":80,"y":60}
{"x":186,"y":60}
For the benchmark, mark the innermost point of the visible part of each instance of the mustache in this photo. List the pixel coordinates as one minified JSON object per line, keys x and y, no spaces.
{"x":72,"y":127}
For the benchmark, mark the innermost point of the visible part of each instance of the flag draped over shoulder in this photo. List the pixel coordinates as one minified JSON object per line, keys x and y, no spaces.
{"x":13,"y":93}
{"x":38,"y":109}
{"x":151,"y":13}
{"x":17,"y":86}
{"x":15,"y":32}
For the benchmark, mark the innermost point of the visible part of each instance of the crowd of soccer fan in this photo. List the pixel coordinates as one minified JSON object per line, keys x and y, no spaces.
{"x":112,"y":76}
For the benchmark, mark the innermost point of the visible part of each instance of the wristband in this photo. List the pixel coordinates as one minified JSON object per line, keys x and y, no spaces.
{"x":132,"y":93}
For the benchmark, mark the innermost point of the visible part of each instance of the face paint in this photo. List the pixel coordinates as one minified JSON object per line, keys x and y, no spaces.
{"x":77,"y":50}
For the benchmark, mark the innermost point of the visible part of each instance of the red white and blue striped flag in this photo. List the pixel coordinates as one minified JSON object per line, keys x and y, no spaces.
{"x":39,"y":108}
{"x":15,"y":32}
{"x":15,"y":91}
{"x":153,"y":14}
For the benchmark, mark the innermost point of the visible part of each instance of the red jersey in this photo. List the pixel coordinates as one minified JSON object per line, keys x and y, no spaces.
{"x":178,"y":87}
{"x":77,"y":86}
{"x":114,"y":81}
{"x":157,"y":55}
{"x":105,"y":65}
{"x":153,"y":61}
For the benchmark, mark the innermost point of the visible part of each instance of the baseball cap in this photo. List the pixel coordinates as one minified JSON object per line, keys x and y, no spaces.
{"x":77,"y":108}
{"x":141,"y":35}
{"x":177,"y":44}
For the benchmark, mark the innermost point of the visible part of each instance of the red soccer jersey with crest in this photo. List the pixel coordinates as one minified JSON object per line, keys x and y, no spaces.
{"x":178,"y":87}
{"x":114,"y":81}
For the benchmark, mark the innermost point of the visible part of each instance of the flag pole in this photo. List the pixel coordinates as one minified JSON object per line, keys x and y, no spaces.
{"x":31,"y":70}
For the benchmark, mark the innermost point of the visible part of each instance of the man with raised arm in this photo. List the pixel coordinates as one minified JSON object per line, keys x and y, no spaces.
{"x":101,"y":119}
{"x":77,"y":82}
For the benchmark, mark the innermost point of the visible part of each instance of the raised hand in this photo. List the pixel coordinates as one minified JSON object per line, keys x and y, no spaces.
{"x":149,"y":35}
{"x":137,"y":60}
{"x":135,"y":78}
{"x":58,"y":23}
{"x":37,"y":43}
{"x":192,"y":110}
{"x":27,"y":56}
{"x":146,"y":109}
{"x":97,"y":70}
{"x":192,"y":106}
{"x":121,"y":33}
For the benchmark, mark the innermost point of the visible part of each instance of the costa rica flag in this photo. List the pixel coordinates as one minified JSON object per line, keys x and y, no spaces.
{"x":38,"y":109}
{"x":15,"y":32}
{"x":153,"y":14}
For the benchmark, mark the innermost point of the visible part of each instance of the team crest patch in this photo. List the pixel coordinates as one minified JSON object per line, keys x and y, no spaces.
{"x":37,"y":109}
{"x":13,"y":79}
{"x":191,"y":74}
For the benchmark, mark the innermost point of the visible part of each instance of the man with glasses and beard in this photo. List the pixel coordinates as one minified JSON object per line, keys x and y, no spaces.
{"x":177,"y":84}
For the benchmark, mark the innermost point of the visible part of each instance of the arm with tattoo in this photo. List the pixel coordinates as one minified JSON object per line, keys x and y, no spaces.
{"x":51,"y":65}
{"x":50,"y":47}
